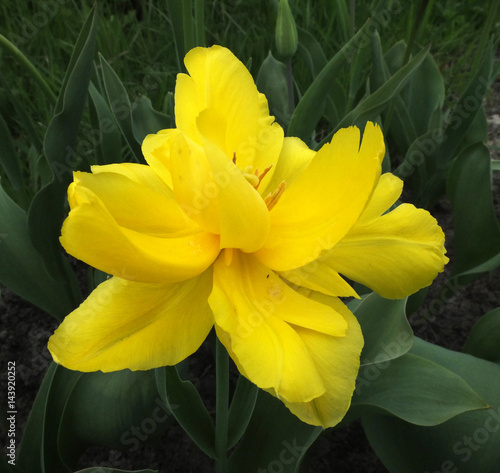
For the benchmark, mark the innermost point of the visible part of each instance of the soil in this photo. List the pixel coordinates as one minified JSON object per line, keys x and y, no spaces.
{"x":25,"y":330}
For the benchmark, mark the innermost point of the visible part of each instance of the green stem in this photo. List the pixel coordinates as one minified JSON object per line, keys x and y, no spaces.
{"x":221,"y":406}
{"x":25,"y":62}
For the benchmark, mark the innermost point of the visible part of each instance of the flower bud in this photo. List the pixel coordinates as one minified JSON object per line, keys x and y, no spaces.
{"x":286,"y":31}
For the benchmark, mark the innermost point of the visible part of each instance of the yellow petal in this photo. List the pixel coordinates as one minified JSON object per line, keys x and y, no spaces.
{"x":294,"y":158}
{"x":339,"y":360}
{"x":258,"y":317}
{"x":92,"y":234}
{"x":194,"y":184}
{"x":387,"y":192}
{"x":321,"y":206}
{"x":320,"y":277}
{"x":138,"y":326}
{"x":134,"y":201}
{"x":395,"y":254}
{"x":244,"y":218}
{"x":156,"y":151}
{"x":219,"y":81}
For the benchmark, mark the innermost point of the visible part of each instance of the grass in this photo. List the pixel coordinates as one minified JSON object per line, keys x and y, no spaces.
{"x":138,"y":42}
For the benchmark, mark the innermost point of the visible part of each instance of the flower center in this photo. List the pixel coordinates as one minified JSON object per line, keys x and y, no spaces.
{"x":254,"y":177}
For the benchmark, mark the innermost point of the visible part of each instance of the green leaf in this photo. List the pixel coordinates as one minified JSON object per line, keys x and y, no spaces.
{"x":29,"y":455}
{"x":374,"y":104}
{"x":109,"y":149}
{"x":120,"y":410}
{"x":416,"y":390}
{"x":275,"y":439}
{"x":146,"y":120}
{"x":477,"y":232}
{"x":311,"y":106}
{"x":185,"y":403}
{"x":22,"y":269}
{"x":424,"y":93}
{"x":241,"y":410}
{"x":311,"y":52}
{"x":484,"y":339}
{"x":39,"y":447}
{"x":385,"y":328}
{"x":120,"y":106}
{"x":467,"y":443}
{"x":47,"y":209}
{"x":271,"y":81}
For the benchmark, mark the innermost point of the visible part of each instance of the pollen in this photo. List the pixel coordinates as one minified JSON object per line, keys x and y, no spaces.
{"x":272,"y":199}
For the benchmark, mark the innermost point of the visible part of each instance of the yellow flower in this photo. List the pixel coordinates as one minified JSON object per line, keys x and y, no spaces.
{"x":234,"y":226}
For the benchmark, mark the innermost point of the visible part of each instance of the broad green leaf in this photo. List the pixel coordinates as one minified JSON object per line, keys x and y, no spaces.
{"x":22,"y":269}
{"x":380,"y":72}
{"x":186,"y":405}
{"x":11,"y":164}
{"x":416,"y":390}
{"x":47,"y":209}
{"x":38,"y":451}
{"x":109,"y":148}
{"x":424,"y":93}
{"x":385,"y":329}
{"x":414,"y":166}
{"x":120,"y":106}
{"x":358,"y":73}
{"x":426,"y":96}
{"x":271,"y":81}
{"x":315,"y":59}
{"x":146,"y":120}
{"x":241,"y":409}
{"x":311,"y":106}
{"x":29,"y":454}
{"x":311,"y":51}
{"x":467,"y":443}
{"x":484,"y":339}
{"x":373,"y":105}
{"x":275,"y":439}
{"x":477,"y":131}
{"x":120,"y":410}
{"x":477,"y":232}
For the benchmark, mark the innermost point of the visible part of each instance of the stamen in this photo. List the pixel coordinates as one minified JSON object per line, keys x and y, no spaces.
{"x":234,"y":157}
{"x":263,"y":174}
{"x":252,"y":179}
{"x":272,"y":199}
